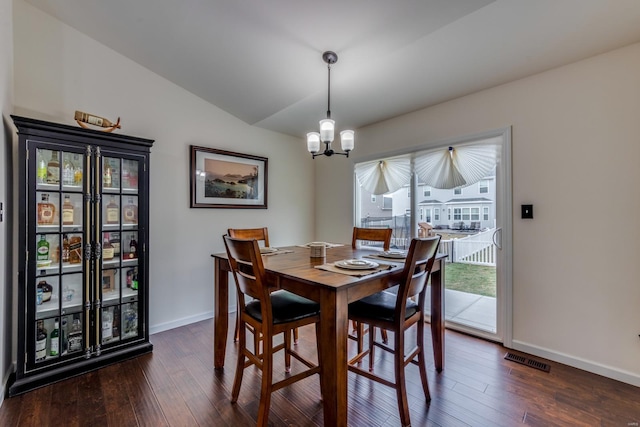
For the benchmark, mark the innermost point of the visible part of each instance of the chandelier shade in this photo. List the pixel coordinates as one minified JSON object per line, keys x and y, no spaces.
{"x":327,"y":126}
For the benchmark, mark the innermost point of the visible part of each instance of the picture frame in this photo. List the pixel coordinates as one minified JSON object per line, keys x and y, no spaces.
{"x":224,"y":179}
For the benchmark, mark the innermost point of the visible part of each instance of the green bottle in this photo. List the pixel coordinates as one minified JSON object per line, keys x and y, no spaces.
{"x":43,"y":249}
{"x":54,"y":349}
{"x":41,"y":171}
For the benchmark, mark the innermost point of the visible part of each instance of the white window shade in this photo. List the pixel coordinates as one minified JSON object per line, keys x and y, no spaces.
{"x":458,"y":166}
{"x":384,"y":176}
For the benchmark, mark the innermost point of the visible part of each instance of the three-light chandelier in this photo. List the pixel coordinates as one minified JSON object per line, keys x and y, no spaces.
{"x":327,"y":126}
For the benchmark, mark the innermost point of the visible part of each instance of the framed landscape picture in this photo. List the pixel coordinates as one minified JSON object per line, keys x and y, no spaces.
{"x":224,"y":179}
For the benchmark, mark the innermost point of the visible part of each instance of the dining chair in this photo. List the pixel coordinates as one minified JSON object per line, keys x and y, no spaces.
{"x":261,"y":235}
{"x":371,"y":235}
{"x":271,"y":312}
{"x":397,"y":311}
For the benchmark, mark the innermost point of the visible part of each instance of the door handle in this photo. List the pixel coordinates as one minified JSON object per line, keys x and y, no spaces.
{"x":498,"y":231}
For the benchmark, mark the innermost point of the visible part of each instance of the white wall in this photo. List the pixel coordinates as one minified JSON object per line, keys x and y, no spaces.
{"x":59,"y":70}
{"x":6,"y":90}
{"x":575,"y":156}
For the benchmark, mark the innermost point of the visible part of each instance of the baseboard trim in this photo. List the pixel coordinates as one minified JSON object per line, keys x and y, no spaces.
{"x":154,"y":329}
{"x":5,"y":380}
{"x":576,"y":362}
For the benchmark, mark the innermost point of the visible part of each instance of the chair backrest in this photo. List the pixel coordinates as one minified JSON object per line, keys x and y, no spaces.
{"x":248,"y":271}
{"x":372,"y":235}
{"x":250,"y":233}
{"x":417,"y":268}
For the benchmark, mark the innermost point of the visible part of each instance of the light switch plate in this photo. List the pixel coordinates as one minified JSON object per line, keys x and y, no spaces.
{"x":527,"y":211}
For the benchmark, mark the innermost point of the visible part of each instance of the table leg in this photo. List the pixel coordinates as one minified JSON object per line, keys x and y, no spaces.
{"x":437,"y":314}
{"x":333,"y":358}
{"x":220,"y":313}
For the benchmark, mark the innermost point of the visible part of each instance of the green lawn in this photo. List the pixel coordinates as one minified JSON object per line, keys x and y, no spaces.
{"x":473,"y":279}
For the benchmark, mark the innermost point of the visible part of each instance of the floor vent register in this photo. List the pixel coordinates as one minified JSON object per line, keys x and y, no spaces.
{"x":527,"y":362}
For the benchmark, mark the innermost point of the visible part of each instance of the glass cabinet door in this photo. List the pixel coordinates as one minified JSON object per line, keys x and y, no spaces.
{"x":120,"y":251}
{"x":56,"y":288}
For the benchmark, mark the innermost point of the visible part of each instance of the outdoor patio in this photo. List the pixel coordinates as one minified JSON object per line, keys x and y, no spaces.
{"x":471,"y":310}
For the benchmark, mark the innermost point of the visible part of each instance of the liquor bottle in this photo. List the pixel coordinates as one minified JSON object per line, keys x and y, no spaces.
{"x":68,"y":171}
{"x":46,"y":288}
{"x":134,"y":280}
{"x":63,"y":335}
{"x":43,"y":249}
{"x":114,"y":239}
{"x":75,"y":336}
{"x":41,"y":171}
{"x":133,"y":248}
{"x":106,"y":174}
{"x":130,"y":277}
{"x":107,"y":248}
{"x":46,"y":211}
{"x":53,"y":169}
{"x":125,"y":174}
{"x":115,"y":173}
{"x":41,"y":341}
{"x":54,"y":349}
{"x":67,"y":211}
{"x":116,"y":323}
{"x":65,"y":248}
{"x":107,"y":325}
{"x":75,"y":250}
{"x":130,"y":320}
{"x":130,"y":213}
{"x":77,"y":166}
{"x":113,"y":212}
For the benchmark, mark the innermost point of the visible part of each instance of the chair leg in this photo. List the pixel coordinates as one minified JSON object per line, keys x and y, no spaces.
{"x":372,"y":335}
{"x":354,"y":326}
{"x":319,"y":350}
{"x":385,"y":338}
{"x":360,"y":336}
{"x":401,"y":386}
{"x":287,"y":350}
{"x":295,"y":336}
{"x":267,"y":384}
{"x":236,"y":332}
{"x":237,"y":381}
{"x":422,"y":363}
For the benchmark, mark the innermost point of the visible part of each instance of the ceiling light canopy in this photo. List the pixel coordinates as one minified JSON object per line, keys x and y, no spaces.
{"x":327,"y":126}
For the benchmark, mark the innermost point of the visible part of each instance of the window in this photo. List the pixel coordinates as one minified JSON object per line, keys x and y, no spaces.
{"x":409,"y":192}
{"x":426,"y":191}
{"x":387,"y":202}
{"x":483,"y":187}
{"x":449,"y":214}
{"x":373,"y":198}
{"x":475,"y":214}
{"x":457,"y":214}
{"x":466,"y":215}
{"x":457,"y":191}
{"x":485,"y":213}
{"x":436,"y":214}
{"x":428,"y":212}
{"x":421,"y":214}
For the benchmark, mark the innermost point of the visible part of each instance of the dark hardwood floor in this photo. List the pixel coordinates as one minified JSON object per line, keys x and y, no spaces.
{"x":176,"y":385}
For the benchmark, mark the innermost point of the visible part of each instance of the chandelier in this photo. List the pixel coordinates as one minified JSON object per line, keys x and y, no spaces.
{"x":327,"y":126}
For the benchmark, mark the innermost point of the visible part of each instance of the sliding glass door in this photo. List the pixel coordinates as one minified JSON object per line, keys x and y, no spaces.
{"x":461,"y":191}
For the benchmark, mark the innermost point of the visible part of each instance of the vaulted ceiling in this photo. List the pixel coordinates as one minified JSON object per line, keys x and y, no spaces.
{"x":261,"y":60}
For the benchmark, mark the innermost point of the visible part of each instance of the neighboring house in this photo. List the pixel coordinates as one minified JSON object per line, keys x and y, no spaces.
{"x":471,"y":207}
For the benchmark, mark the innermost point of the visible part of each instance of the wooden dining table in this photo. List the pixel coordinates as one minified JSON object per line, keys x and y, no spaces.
{"x":294,"y":270}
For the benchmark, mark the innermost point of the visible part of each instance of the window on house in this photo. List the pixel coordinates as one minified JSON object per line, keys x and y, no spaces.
{"x":457,"y":214}
{"x":457,"y":191}
{"x":466,"y":214}
{"x":475,"y":214}
{"x":428,"y":213}
{"x":436,"y":214}
{"x":426,"y":191}
{"x":409,"y":192}
{"x":373,"y":198}
{"x":483,"y":187}
{"x":421,"y":214}
{"x":485,"y":213}
{"x":449,"y":214}
{"x":387,"y":202}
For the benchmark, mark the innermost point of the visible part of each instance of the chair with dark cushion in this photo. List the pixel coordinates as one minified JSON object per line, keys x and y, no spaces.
{"x":397,"y":311}
{"x":271,"y":312}
{"x":369,"y":235}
